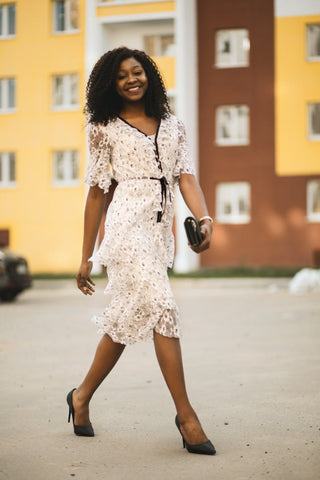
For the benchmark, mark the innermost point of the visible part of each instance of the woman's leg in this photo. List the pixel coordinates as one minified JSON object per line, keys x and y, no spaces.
{"x":169,"y":356}
{"x":107,"y":354}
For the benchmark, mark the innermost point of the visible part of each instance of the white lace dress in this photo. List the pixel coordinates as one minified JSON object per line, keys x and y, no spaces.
{"x":138,"y":245}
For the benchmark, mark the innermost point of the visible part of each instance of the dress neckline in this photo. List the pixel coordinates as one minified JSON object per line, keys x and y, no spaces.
{"x":138,"y":129}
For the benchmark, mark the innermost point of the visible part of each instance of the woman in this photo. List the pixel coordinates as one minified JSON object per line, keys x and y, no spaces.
{"x":137,"y":154}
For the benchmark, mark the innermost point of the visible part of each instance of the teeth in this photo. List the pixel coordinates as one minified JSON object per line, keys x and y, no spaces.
{"x":133,"y":89}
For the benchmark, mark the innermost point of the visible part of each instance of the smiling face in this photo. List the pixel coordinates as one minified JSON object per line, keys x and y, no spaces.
{"x":131,"y":80}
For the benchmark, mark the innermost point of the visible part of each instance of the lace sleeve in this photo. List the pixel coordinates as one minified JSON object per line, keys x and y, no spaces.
{"x":183,"y":163}
{"x":99,"y":170}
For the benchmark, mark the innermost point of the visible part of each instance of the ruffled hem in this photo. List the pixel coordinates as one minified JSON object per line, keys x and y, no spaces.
{"x":167,"y":325}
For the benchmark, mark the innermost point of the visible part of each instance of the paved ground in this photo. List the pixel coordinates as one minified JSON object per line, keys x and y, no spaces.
{"x":251,"y":354}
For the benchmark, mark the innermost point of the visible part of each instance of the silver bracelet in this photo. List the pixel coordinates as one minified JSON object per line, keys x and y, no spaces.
{"x":206,"y":217}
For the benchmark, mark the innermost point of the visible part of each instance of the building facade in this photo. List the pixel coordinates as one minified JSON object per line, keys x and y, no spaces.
{"x":251,"y":106}
{"x":42,"y":140}
{"x":259,"y":149}
{"x":47,"y":49}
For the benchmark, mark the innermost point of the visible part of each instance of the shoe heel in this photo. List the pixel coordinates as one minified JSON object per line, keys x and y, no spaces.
{"x":69,"y":402}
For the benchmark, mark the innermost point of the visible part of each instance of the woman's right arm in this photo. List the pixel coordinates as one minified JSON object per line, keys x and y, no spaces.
{"x":96,"y":204}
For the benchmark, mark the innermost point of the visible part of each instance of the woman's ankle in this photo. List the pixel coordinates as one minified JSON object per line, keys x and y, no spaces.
{"x":80,"y":398}
{"x":187,"y":414}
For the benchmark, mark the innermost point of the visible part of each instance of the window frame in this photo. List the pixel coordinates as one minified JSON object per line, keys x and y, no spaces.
{"x":5,"y":160}
{"x":67,"y":159}
{"x":311,"y":215}
{"x":66,"y":92}
{"x":68,"y":30}
{"x":310,"y":58}
{"x":158,"y":47}
{"x":235,"y":125}
{"x":223,"y":190}
{"x":315,"y":137}
{"x":5,"y":21}
{"x":4,"y":95}
{"x":234,"y":62}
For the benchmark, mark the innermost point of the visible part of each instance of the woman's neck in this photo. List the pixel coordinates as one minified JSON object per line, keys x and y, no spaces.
{"x":133,"y":110}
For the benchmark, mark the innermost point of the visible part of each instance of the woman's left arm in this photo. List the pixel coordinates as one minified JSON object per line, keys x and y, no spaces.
{"x":194,"y":198}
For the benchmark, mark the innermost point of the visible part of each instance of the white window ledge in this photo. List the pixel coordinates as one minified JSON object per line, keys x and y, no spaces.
{"x":231,"y":142}
{"x":314,"y":138}
{"x":66,"y":32}
{"x":7,"y":37}
{"x":66,"y":183}
{"x":313,"y":217}
{"x":8,"y":185}
{"x":231,"y":65}
{"x":65,"y":108}
{"x":233,"y":219}
{"x":8,"y":110}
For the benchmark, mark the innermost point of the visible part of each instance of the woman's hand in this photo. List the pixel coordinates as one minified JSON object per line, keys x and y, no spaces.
{"x":206,"y":232}
{"x":193,"y":196}
{"x":84,"y":281}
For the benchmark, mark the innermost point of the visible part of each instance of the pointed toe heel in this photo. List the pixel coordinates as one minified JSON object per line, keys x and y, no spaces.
{"x":205,"y":448}
{"x":81,"y":430}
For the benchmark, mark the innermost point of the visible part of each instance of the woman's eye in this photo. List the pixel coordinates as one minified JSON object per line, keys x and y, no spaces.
{"x":138,"y":73}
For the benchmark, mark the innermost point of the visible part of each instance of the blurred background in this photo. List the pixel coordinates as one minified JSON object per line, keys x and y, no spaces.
{"x":244,"y":76}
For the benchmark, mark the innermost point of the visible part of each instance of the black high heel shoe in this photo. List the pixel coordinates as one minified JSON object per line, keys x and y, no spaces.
{"x":205,"y":448}
{"x":81,"y":430}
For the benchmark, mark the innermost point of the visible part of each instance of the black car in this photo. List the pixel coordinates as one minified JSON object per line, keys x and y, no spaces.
{"x":14,"y":275}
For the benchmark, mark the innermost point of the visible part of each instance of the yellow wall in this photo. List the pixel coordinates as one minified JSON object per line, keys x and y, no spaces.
{"x":166,"y":67}
{"x":297,"y":83}
{"x":134,"y":9}
{"x":45,"y":222}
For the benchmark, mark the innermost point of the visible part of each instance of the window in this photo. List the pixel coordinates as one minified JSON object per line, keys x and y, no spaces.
{"x":65,"y":92}
{"x":232,"y":125}
{"x":160,"y":45}
{"x":65,"y":168}
{"x":66,"y":16}
{"x":314,"y":121}
{"x":233,"y":202}
{"x":7,"y":20}
{"x":313,"y":42}
{"x":7,"y":169}
{"x":313,"y":200}
{"x":7,"y":95}
{"x":232,"y":48}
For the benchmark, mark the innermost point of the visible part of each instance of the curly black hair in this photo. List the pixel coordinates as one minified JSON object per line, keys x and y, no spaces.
{"x":103,"y":103}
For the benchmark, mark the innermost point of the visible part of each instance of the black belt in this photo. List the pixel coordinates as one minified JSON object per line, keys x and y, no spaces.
{"x":164,"y":185}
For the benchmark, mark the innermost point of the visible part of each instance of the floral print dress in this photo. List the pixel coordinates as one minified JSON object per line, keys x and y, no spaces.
{"x":138,"y":245}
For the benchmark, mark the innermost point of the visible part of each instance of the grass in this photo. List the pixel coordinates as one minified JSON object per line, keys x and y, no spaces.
{"x":227,"y":272}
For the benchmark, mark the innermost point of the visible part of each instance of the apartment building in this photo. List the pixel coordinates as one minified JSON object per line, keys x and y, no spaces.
{"x":47,"y":49}
{"x":259,"y":125}
{"x":243,"y":75}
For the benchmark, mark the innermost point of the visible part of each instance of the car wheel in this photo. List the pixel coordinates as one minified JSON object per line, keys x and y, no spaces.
{"x":8,"y":296}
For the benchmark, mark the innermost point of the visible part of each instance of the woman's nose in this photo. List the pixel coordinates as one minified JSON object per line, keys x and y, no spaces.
{"x":131,"y":78}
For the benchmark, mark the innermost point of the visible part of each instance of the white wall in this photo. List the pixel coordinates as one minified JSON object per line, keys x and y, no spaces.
{"x":187,"y":111}
{"x":291,"y":8}
{"x":131,"y":34}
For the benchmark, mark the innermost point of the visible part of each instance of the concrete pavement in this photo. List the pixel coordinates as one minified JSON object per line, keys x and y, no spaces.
{"x":251,"y":353}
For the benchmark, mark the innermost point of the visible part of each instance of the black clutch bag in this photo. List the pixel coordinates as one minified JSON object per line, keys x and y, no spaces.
{"x":192,"y":228}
